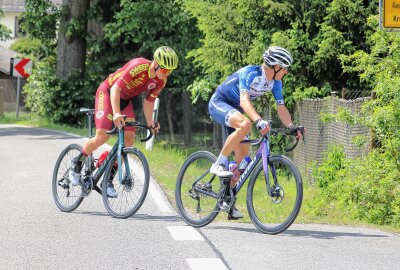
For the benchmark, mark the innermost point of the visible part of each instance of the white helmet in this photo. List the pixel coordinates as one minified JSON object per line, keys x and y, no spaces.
{"x":276,"y":55}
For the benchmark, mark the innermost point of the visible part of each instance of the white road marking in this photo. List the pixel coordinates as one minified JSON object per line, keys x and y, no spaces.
{"x":206,"y":264}
{"x":185,"y":233}
{"x":159,"y":198}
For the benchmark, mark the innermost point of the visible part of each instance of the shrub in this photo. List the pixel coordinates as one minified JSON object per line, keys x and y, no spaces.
{"x":56,"y":99}
{"x":366,"y":188}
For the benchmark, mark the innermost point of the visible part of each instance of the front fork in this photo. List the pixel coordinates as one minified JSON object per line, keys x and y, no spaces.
{"x":266,"y":155}
{"x":121,"y":157}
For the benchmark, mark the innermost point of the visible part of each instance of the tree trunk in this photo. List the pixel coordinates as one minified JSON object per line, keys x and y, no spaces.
{"x":71,"y":47}
{"x":187,"y":117}
{"x":169,"y":116}
{"x":217,"y":136}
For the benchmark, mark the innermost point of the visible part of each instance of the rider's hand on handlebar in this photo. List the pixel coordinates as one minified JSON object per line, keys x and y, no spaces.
{"x":262,"y":126}
{"x":155,"y":126}
{"x":118,"y":120}
{"x":301,"y":131}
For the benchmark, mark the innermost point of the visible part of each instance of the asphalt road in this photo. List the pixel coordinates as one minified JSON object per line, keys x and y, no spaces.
{"x":34,"y":234}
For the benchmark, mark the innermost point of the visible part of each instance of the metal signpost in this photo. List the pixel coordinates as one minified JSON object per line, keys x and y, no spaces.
{"x":389,"y":15}
{"x":20,"y":68}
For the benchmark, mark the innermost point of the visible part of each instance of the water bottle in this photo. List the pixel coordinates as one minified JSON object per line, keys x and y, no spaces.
{"x":233,"y":168}
{"x":102,"y":157}
{"x":242,"y":166}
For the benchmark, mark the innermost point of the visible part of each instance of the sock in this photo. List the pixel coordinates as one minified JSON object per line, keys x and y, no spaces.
{"x":82,"y":155}
{"x":221,"y":159}
{"x":84,"y":152}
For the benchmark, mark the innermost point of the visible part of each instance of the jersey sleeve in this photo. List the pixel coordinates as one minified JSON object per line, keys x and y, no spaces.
{"x":278,"y":92}
{"x":153,"y":93}
{"x":246,"y":76}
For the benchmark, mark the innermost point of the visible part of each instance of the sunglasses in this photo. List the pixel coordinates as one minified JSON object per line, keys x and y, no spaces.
{"x":165,"y":71}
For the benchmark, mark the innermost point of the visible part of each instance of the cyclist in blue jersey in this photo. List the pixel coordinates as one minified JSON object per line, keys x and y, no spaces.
{"x":232,"y":100}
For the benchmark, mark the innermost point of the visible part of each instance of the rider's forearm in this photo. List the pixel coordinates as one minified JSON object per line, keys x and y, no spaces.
{"x":115,"y":93}
{"x":284,"y":115}
{"x":148,"y":108}
{"x":248,"y":108}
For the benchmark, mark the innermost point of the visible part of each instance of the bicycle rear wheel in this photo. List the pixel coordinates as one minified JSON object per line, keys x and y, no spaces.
{"x":133,"y":189}
{"x":66,"y":196}
{"x":272,"y":214}
{"x":197,"y":209}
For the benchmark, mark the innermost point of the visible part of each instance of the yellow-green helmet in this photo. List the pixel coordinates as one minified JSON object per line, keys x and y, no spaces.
{"x":165,"y":57}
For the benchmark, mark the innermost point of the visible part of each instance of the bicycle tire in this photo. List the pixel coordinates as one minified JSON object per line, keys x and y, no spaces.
{"x":263,"y":208}
{"x":133,"y":191}
{"x":196,"y":164}
{"x":61,"y":184}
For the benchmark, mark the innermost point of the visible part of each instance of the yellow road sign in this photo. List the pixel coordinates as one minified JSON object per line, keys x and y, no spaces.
{"x":391,"y":13}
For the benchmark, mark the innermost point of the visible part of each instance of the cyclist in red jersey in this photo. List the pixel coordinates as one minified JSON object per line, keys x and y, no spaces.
{"x":113,"y":99}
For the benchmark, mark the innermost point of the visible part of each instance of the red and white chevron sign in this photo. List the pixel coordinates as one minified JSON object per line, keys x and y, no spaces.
{"x":22,"y":67}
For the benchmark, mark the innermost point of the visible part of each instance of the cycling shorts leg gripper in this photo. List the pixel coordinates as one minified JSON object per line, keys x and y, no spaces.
{"x":221,"y":111}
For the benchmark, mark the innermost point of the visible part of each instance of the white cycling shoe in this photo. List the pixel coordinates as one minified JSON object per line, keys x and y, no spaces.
{"x":74,"y":177}
{"x":220,"y":171}
{"x":111,"y":192}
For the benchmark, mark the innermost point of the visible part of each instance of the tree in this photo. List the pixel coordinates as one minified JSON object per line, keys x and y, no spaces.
{"x":39,"y":22}
{"x":5,"y":33}
{"x":71,"y":47}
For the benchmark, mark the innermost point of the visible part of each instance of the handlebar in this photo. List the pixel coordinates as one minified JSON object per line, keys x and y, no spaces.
{"x":289,"y":132}
{"x":90,"y":113}
{"x":133,"y":124}
{"x":276,"y":131}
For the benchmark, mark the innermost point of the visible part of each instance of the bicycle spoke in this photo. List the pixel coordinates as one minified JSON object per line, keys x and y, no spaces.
{"x":67,"y":197}
{"x":275,"y":213}
{"x":195,"y":207}
{"x":133,"y":189}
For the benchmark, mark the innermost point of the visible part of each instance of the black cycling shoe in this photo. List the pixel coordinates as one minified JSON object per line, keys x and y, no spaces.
{"x":234,"y":214}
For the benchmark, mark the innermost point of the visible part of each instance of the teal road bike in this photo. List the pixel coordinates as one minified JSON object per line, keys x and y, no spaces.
{"x":125,"y":168}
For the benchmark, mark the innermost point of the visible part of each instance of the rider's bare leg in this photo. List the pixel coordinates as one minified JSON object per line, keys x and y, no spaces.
{"x":93,"y":143}
{"x":243,"y":126}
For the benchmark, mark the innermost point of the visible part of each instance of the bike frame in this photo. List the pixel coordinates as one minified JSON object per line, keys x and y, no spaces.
{"x":262,"y":153}
{"x":116,"y":150}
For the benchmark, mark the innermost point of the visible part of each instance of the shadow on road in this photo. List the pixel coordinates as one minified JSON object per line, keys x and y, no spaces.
{"x":39,"y":133}
{"x":136,"y":216}
{"x":328,"y":235}
{"x":304,"y":233}
{"x":157,"y":218}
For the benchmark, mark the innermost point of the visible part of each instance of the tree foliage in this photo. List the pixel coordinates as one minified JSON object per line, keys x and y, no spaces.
{"x":40,"y":23}
{"x":5,"y":33}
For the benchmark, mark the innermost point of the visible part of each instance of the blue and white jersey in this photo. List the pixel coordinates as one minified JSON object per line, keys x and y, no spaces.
{"x":252,"y":80}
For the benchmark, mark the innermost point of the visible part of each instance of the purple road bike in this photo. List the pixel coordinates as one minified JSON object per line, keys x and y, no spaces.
{"x":274,"y":193}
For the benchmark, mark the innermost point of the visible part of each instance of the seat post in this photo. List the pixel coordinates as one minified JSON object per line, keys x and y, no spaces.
{"x":90,"y":120}
{"x":225,"y":132}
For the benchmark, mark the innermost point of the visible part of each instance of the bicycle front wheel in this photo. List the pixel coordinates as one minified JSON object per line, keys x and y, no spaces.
{"x":193,"y":183}
{"x":66,"y":196}
{"x":274,"y":213}
{"x":132,"y":190}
